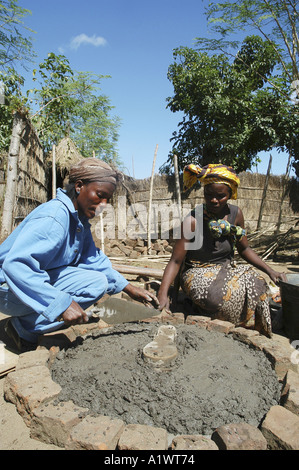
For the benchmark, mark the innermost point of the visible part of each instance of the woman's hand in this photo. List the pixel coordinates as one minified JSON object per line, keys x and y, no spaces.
{"x":164,"y":302}
{"x":74,"y":314}
{"x":276,"y":276}
{"x":142,"y":295}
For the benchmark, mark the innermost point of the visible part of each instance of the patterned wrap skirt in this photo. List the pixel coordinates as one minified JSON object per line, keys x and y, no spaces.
{"x":230,"y":292}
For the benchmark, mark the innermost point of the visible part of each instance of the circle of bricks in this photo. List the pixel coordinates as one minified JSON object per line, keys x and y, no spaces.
{"x":34,"y":393}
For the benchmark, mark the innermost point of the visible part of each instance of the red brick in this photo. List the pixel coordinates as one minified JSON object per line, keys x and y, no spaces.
{"x":291,"y":392}
{"x":95,"y":433}
{"x":220,"y":326}
{"x":52,"y":423}
{"x":280,"y":358}
{"x":28,"y":388}
{"x":142,"y":437}
{"x":62,"y":338}
{"x":281,"y":429}
{"x":239,"y":436}
{"x":198,"y":320}
{"x":193,"y":442}
{"x":244,"y":334}
{"x":39,"y":357}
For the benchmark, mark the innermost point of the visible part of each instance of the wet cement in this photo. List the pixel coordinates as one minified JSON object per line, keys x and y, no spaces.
{"x":214,"y":380}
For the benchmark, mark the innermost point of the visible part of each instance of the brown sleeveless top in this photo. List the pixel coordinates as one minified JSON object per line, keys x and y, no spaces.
{"x":213,"y":251}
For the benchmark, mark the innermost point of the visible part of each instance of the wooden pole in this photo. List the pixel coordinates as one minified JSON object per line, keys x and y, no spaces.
{"x":102,"y":233}
{"x":149,"y":219}
{"x":101,"y":221}
{"x":12,"y":175}
{"x":138,"y":270}
{"x":54,"y":172}
{"x":284,"y":192}
{"x":264,"y":194}
{"x":177,"y":183}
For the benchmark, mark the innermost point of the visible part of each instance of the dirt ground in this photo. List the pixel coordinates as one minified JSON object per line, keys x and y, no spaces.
{"x":14,"y":434}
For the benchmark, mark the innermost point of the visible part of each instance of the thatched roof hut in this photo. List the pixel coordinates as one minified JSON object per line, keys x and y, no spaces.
{"x":66,"y":155}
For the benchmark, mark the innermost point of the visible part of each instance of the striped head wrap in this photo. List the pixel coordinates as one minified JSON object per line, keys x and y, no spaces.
{"x":92,"y":169}
{"x":213,"y":173}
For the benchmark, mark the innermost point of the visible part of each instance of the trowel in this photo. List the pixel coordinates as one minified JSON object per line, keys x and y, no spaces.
{"x":114,"y":311}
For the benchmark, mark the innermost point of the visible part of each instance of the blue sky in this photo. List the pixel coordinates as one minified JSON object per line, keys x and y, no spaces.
{"x":132,"y":41}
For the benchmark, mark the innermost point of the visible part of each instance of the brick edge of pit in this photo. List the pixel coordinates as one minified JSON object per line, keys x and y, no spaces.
{"x":68,"y":426}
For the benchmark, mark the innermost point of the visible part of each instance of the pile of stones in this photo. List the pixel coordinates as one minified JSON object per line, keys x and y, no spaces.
{"x":134,"y":248}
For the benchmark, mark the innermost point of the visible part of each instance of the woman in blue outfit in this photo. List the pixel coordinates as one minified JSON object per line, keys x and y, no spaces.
{"x":50,"y":268}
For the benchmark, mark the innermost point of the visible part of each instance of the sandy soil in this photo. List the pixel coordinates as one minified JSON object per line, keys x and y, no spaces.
{"x":14,"y":434}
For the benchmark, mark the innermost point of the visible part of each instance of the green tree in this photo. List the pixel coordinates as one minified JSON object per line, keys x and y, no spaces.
{"x":71,"y":103}
{"x":92,"y":127}
{"x":49,"y":99}
{"x":10,"y":101}
{"x":236,"y":104}
{"x":229,"y":116}
{"x":15,"y":50}
{"x":15,"y":47}
{"x":277,"y":23}
{"x":64,"y":102}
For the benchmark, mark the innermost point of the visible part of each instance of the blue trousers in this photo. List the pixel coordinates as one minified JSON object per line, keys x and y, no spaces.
{"x":84,"y":285}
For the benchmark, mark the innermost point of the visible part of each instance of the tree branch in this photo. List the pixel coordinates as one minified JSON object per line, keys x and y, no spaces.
{"x":259,"y":74}
{"x":62,"y":96}
{"x":285,"y":39}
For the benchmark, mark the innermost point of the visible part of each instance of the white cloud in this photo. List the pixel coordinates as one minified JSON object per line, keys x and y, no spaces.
{"x":83,"y":39}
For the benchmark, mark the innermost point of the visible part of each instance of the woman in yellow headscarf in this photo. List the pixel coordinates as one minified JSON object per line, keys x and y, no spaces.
{"x":213,"y":173}
{"x":208,"y":275}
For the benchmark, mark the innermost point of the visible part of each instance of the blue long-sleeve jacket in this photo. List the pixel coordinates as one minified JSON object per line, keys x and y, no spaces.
{"x":51,"y":236}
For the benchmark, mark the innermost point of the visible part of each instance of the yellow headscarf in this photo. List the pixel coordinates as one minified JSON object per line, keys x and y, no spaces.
{"x":213,"y":173}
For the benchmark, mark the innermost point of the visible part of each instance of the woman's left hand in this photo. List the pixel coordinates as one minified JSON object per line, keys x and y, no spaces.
{"x":142,"y":295}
